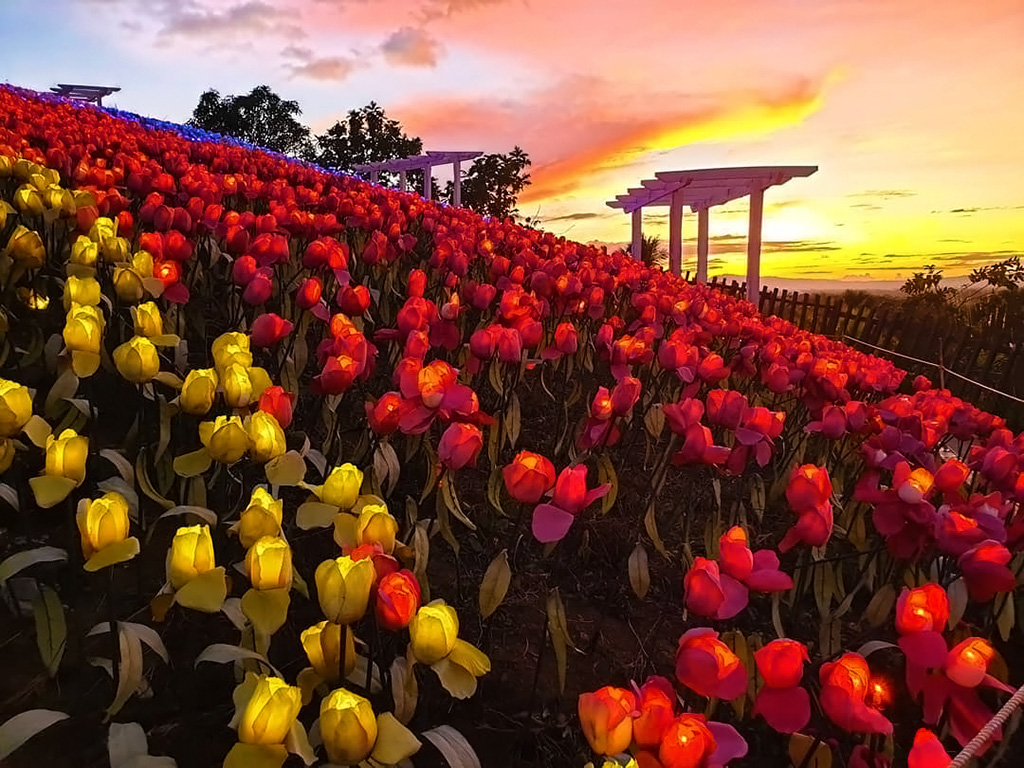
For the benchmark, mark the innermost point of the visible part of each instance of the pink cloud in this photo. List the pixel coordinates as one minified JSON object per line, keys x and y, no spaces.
{"x":411,"y":46}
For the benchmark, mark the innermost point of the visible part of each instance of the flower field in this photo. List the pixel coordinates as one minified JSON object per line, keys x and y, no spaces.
{"x":360,"y":479}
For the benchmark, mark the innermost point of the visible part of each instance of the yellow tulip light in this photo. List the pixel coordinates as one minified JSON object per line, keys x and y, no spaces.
{"x":343,"y":587}
{"x":197,"y":581}
{"x":268,"y":564}
{"x":260,"y":381}
{"x":25,"y":246}
{"x":352,"y":733}
{"x":237,"y":386}
{"x":341,"y":489}
{"x":434,"y":640}
{"x":103,"y":524}
{"x":64,"y":470}
{"x":84,"y":252}
{"x":128,"y":285}
{"x":266,"y":711}
{"x":266,"y":437}
{"x":57,"y":198}
{"x":322,"y":644}
{"x":231,"y":348}
{"x":83,"y":335}
{"x":137,"y":360}
{"x":261,"y":518}
{"x":225,"y":438}
{"x":6,"y":454}
{"x":15,"y":407}
{"x":28,"y":201}
{"x":147,"y":319}
{"x":373,"y":525}
{"x":81,"y":290}
{"x":198,"y":391}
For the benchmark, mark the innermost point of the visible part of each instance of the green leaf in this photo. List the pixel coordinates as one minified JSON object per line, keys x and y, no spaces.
{"x":22,"y":560}
{"x":24,"y":726}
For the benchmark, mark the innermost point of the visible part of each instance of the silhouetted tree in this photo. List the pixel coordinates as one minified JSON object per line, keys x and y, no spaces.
{"x":366,"y":135}
{"x":260,"y":117}
{"x":493,"y":183}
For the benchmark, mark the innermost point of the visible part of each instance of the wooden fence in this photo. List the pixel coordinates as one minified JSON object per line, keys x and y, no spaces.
{"x":985,"y":369}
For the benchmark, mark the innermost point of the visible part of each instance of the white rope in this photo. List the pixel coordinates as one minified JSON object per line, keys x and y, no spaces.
{"x":990,"y":728}
{"x":936,"y":365}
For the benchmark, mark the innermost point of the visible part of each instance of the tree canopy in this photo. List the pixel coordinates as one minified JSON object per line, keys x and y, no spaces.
{"x":260,"y":117}
{"x":490,"y":186}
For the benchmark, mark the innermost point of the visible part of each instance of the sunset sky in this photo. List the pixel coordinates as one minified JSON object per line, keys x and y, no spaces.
{"x":912,"y":109}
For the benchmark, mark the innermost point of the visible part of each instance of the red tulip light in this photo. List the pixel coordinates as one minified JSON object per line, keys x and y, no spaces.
{"x":398,"y":599}
{"x":782,"y":702}
{"x":845,"y":686}
{"x":927,"y":751}
{"x":707,"y":666}
{"x":809,"y":494}
{"x":657,"y":711}
{"x":268,"y":329}
{"x":460,"y":445}
{"x":921,"y":616}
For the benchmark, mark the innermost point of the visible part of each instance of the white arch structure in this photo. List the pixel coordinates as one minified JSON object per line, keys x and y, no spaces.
{"x":425,"y":162}
{"x":701,"y":189}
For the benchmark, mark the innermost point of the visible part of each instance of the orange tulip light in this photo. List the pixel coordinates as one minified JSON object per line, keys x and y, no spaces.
{"x":606,"y":717}
{"x":687,"y":743}
{"x":845,"y":684}
{"x":967,"y":664}
{"x":657,"y":710}
{"x":707,"y":666}
{"x":398,"y":599}
{"x":528,"y":477}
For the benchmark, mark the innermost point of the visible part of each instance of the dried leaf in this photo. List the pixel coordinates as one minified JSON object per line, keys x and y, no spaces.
{"x":495,"y":584}
{"x":880,"y":606}
{"x":25,"y":725}
{"x":651,"y":526}
{"x":1005,"y":619}
{"x":606,"y":474}
{"x":957,"y":592}
{"x":800,"y":746}
{"x":639,"y":572}
{"x":22,"y":560}
{"x":51,"y":628}
{"x":222,"y":653}
{"x":559,"y":634}
{"x":453,"y":746}
{"x":654,"y":420}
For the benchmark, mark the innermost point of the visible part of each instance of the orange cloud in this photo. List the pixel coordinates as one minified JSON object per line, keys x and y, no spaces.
{"x":583,"y":127}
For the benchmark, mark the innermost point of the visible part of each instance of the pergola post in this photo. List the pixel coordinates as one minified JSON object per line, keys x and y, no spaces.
{"x":457,"y":183}
{"x":373,"y":176}
{"x":754,"y":244}
{"x":402,"y":184}
{"x":702,"y":245}
{"x":675,"y":233}
{"x":636,"y":251}
{"x":426,"y":181}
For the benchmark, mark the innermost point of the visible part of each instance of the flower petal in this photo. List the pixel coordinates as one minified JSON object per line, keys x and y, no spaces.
{"x":924,"y":649}
{"x":787,"y":710}
{"x":729,"y":745}
{"x":395,"y":742}
{"x":118,"y":552}
{"x":551,"y":523}
{"x":206,"y":592}
{"x":267,"y":609}
{"x":256,"y":756}
{"x":51,"y":490}
{"x":457,"y":680}
{"x":470,"y":658}
{"x":736,"y":597}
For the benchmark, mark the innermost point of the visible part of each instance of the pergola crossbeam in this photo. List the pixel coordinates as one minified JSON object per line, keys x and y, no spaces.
{"x":92,"y":94}
{"x":702,"y":189}
{"x":425,"y":162}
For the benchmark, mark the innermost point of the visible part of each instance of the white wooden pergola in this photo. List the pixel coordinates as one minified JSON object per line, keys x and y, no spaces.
{"x":701,"y":189}
{"x":425,"y":162}
{"x":91,"y":94}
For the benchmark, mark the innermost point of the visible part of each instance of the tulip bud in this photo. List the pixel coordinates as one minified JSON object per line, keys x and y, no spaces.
{"x":117,"y":250}
{"x":528,"y":477}
{"x":147,"y":320}
{"x":28,"y":200}
{"x":102,"y":522}
{"x":343,"y":587}
{"x":225,"y":438}
{"x":341,"y":489}
{"x":231,"y":347}
{"x":348,"y":727}
{"x":26,"y":247}
{"x":84,"y":252}
{"x":190,"y":555}
{"x":81,"y":290}
{"x":278,"y":403}
{"x":322,"y":644}
{"x":66,"y":455}
{"x":243,"y":270}
{"x":261,"y":518}
{"x":15,"y":407}
{"x":309,"y":293}
{"x":433,"y":631}
{"x":260,"y":380}
{"x":237,"y":385}
{"x":460,"y":445}
{"x":137,"y":360}
{"x":385,"y":415}
{"x":128,"y":285}
{"x":259,"y":290}
{"x":354,"y":300}
{"x":198,"y":391}
{"x":266,"y":437}
{"x":268,"y":329}
{"x":268,"y":563}
{"x":374,"y":525}
{"x":398,"y":600}
{"x":83,"y":329}
{"x":270,"y":712}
